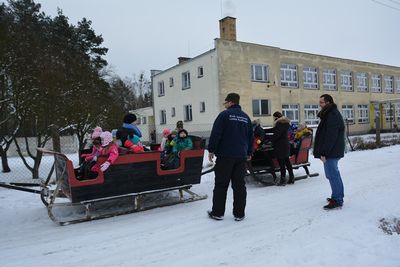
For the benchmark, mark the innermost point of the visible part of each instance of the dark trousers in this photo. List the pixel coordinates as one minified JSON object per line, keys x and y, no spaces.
{"x":285,"y":163}
{"x":227,"y":170}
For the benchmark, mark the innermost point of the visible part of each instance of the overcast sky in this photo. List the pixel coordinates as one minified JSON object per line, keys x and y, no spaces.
{"x":147,"y":34}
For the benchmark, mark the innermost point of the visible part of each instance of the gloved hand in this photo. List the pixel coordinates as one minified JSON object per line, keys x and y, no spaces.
{"x":104,"y":166}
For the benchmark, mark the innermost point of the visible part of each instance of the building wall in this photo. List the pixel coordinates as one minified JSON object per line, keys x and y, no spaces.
{"x":235,"y":60}
{"x":145,"y":122}
{"x":227,"y":69}
{"x":202,"y":89}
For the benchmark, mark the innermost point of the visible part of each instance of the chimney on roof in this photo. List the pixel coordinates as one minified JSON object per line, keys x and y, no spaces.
{"x":227,"y":28}
{"x":183,"y":59}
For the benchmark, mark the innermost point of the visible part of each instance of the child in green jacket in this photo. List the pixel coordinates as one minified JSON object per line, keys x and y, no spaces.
{"x":181,"y":142}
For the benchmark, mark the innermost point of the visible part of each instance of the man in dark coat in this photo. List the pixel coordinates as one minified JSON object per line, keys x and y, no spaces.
{"x":280,"y":142}
{"x":329,"y":147}
{"x":231,"y":141}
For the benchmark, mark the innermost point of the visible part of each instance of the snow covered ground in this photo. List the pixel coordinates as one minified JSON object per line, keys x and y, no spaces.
{"x":285,"y":226}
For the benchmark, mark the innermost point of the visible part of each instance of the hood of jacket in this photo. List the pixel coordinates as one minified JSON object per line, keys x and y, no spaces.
{"x":282,"y":119}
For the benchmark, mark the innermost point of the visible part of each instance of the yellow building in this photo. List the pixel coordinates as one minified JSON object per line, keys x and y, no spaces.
{"x":271,"y":79}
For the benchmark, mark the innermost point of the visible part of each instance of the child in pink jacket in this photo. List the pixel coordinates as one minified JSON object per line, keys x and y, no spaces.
{"x":96,"y":142}
{"x":109,"y":149}
{"x":89,"y":160}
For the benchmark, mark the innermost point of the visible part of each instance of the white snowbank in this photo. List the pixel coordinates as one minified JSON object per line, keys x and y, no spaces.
{"x":285,"y":226}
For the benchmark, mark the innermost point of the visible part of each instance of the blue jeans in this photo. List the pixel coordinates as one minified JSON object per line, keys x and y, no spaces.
{"x":333,"y":175}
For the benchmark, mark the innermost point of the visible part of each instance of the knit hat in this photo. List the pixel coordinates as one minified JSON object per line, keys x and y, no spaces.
{"x":166,"y":132}
{"x":129,"y":118}
{"x":106,"y":138}
{"x":233,"y":97}
{"x":183,"y":130}
{"x":301,"y":126}
{"x":277,"y":114}
{"x":179,"y":124}
{"x":96,"y":132}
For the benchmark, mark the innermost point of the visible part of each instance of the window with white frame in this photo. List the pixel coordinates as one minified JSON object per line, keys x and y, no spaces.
{"x":163,"y":116}
{"x":363,"y":113}
{"x":388,"y":84}
{"x":187,"y":116}
{"x":202,"y":106}
{"x":289,"y":75}
{"x":362,"y":82}
{"x":291,"y":111}
{"x":200,"y":72}
{"x":259,"y":72}
{"x":329,"y":79}
{"x":261,"y":107}
{"x":398,"y":85}
{"x":161,"y":89}
{"x":346,"y":78}
{"x":348,"y":113}
{"x":186,"y":80}
{"x":173,"y":112}
{"x":376,"y":83}
{"x":398,"y":113}
{"x":310,"y":77}
{"x":388,"y":108}
{"x":171,"y":81}
{"x":144,"y":120}
{"x":310,"y":114}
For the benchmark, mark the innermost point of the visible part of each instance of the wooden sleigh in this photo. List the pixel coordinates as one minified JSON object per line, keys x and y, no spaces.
{"x":263,"y":166}
{"x":135,"y":182}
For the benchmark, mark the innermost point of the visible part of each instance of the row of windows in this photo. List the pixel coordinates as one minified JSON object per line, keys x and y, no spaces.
{"x":348,"y":113}
{"x":289,"y":78}
{"x":262,"y":107}
{"x":311,"y":111}
{"x":185,"y":81}
{"x":187,"y":112}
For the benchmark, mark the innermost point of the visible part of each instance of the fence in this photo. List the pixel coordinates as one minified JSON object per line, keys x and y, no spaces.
{"x":69,"y":146}
{"x":21,"y":174}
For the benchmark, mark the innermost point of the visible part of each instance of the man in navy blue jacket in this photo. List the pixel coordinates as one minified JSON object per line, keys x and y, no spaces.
{"x":329,"y":147}
{"x":231,"y":141}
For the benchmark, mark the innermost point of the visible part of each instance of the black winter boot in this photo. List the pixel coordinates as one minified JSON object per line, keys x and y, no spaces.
{"x":282,"y":182}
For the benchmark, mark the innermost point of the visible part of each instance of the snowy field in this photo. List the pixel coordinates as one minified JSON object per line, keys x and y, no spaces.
{"x":285,"y":226}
